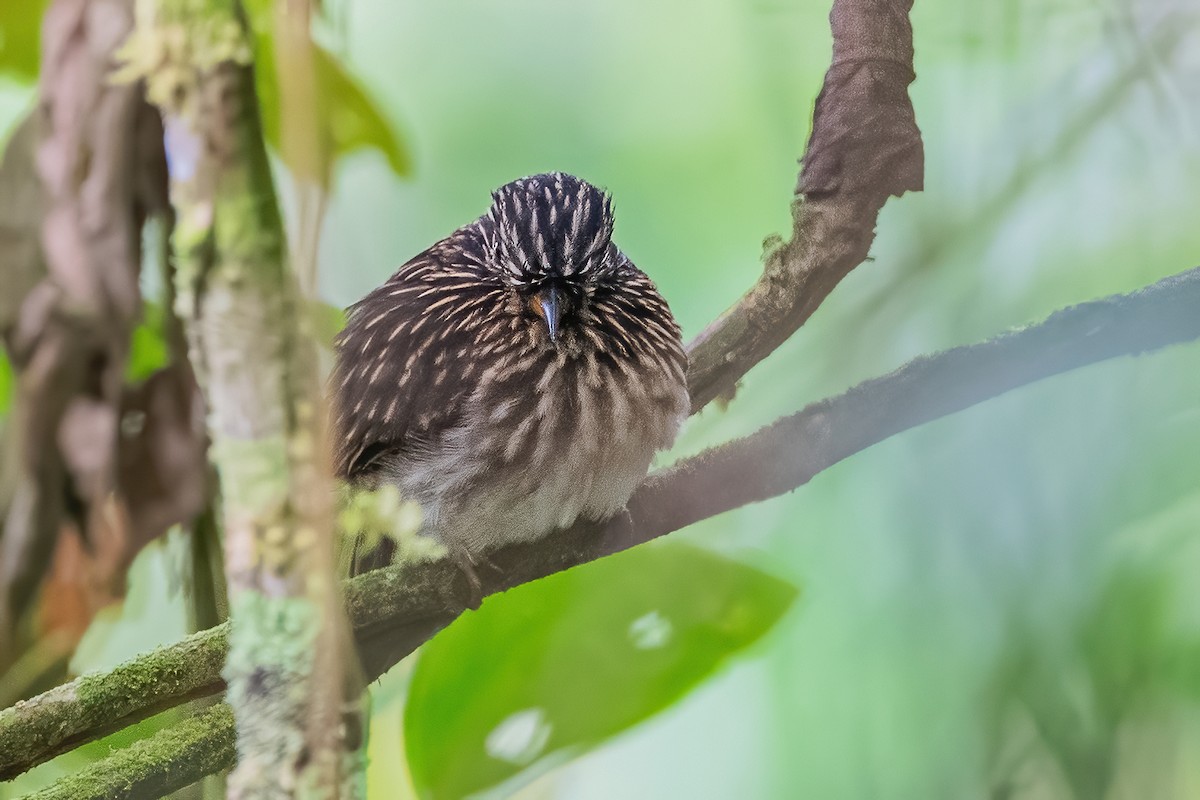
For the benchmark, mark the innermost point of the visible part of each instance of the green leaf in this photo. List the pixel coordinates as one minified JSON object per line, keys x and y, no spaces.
{"x":20,"y":37}
{"x":7,"y":384}
{"x":148,"y":345}
{"x":550,"y":669}
{"x":1142,"y":636}
{"x":327,"y":321}
{"x":352,"y":119}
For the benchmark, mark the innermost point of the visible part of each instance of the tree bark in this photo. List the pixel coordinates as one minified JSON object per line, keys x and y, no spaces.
{"x":170,"y":760}
{"x":257,"y":368}
{"x":864,"y":148}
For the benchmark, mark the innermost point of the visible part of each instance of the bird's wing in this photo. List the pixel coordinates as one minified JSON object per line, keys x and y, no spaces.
{"x":404,"y":358}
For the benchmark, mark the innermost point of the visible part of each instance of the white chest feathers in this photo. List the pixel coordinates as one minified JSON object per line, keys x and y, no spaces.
{"x":575,"y":446}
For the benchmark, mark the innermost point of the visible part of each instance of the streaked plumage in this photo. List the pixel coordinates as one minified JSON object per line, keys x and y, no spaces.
{"x":450,"y":385}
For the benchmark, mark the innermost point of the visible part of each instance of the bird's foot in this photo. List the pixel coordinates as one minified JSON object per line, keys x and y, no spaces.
{"x":470,"y":563}
{"x":618,"y":533}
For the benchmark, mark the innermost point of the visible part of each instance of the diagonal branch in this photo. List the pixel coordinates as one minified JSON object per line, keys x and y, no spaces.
{"x":788,"y":453}
{"x":864,"y":148}
{"x":395,"y":610}
{"x":169,"y":760}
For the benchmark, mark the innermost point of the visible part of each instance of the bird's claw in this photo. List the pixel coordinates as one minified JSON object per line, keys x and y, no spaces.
{"x":619,"y":532}
{"x":468,"y":562}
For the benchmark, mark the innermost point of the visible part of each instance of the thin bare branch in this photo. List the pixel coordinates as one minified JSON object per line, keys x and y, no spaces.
{"x":789,"y":452}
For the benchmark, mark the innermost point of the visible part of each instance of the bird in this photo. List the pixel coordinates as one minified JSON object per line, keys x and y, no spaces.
{"x":514,"y":378}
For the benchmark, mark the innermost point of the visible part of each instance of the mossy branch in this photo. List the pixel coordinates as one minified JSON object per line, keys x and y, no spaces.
{"x":864,"y":148}
{"x":175,"y":757}
{"x":100,"y":703}
{"x":394,"y":610}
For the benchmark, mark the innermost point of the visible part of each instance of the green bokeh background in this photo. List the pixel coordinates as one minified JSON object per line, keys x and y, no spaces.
{"x":1002,"y":604}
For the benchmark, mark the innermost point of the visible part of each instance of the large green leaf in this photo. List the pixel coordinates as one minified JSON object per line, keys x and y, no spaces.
{"x":551,"y":668}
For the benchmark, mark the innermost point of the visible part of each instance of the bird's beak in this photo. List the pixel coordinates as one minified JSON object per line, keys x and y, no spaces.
{"x":549,"y":304}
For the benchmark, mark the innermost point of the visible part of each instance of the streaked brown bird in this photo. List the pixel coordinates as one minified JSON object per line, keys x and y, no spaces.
{"x":515,"y":377}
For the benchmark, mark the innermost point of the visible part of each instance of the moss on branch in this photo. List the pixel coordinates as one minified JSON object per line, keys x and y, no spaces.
{"x":174,"y":757}
{"x":394,"y":610}
{"x":99,"y":703}
{"x":257,"y":368}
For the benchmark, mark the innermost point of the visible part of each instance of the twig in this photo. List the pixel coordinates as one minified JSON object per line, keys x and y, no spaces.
{"x":395,"y":610}
{"x":864,"y":148}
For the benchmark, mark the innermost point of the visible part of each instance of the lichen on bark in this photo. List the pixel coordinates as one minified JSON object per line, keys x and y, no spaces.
{"x":257,"y":368}
{"x":99,"y":703}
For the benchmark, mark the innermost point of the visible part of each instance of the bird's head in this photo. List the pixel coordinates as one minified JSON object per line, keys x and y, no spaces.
{"x":551,"y":244}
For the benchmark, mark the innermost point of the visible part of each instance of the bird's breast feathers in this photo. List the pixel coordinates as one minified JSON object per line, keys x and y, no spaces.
{"x":573,"y":442}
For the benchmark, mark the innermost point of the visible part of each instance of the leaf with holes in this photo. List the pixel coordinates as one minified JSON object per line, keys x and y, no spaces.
{"x":552,"y":668}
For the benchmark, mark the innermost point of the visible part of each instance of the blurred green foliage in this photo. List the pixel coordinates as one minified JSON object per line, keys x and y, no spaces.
{"x":19,"y":25}
{"x":147,"y":353}
{"x":6,"y":385}
{"x":351,"y":122}
{"x":148,"y":348}
{"x":326,"y":321}
{"x":1001,"y":604}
